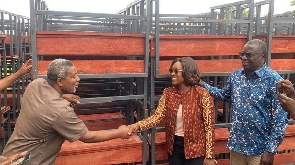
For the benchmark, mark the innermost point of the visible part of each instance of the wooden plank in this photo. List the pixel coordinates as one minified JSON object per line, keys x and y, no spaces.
{"x":287,"y":144}
{"x":10,"y":98}
{"x":161,"y":152}
{"x":284,"y":158}
{"x":115,"y":115}
{"x":105,"y":124}
{"x":290,"y":131}
{"x":25,"y":39}
{"x":223,"y":161}
{"x":83,"y":33}
{"x":100,"y":66}
{"x":229,"y":65}
{"x":110,"y":152}
{"x":281,"y":43}
{"x":207,"y":66}
{"x":83,"y":43}
{"x":220,"y":147}
{"x":207,"y":45}
{"x":103,"y":121}
{"x":198,"y":45}
{"x":160,"y":144}
{"x":221,"y":136}
{"x":282,"y":64}
{"x":2,"y":36}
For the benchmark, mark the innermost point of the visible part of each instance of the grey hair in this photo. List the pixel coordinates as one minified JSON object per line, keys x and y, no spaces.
{"x":58,"y":68}
{"x":261,"y":45}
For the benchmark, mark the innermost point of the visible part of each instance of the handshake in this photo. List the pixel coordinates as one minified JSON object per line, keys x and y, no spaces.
{"x":125,"y":131}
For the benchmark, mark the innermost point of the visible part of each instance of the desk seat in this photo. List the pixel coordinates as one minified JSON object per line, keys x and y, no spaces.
{"x":105,"y":153}
{"x":103,"y":121}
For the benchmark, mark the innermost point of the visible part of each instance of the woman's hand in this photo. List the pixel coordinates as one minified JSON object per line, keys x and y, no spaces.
{"x":209,"y":161}
{"x":133,"y":128}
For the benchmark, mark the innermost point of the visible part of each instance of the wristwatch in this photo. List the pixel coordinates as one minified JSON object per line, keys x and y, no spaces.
{"x":272,"y":154}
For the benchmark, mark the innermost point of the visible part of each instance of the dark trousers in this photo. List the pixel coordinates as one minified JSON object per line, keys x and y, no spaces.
{"x":178,"y":158}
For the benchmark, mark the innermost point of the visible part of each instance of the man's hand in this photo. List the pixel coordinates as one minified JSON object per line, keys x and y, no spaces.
{"x":71,"y":98}
{"x":266,"y":158}
{"x":12,"y":158}
{"x":288,"y":88}
{"x":287,"y":104}
{"x":124,"y":132}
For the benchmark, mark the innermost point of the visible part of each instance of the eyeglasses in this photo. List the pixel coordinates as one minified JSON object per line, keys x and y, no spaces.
{"x":247,"y":54}
{"x":175,"y":70}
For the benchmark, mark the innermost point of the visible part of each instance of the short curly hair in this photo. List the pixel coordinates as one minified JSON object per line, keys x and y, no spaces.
{"x":58,"y":68}
{"x":261,"y":45}
{"x":190,"y":71}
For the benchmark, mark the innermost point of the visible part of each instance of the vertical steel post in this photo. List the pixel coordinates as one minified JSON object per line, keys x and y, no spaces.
{"x":251,"y":19}
{"x":33,"y":38}
{"x":269,"y":32}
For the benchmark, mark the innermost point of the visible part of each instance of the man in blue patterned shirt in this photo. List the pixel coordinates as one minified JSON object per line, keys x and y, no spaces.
{"x":258,"y":120}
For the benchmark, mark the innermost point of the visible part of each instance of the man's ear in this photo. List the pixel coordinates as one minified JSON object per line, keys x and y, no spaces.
{"x":264,"y":56}
{"x":59,"y":81}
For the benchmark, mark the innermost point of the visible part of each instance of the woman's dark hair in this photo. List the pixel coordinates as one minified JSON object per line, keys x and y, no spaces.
{"x":190,"y":71}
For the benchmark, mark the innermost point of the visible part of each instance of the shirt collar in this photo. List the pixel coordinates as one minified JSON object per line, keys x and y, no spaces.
{"x":258,"y":72}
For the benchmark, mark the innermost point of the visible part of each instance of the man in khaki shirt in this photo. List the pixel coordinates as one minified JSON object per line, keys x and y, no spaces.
{"x":46,"y":120}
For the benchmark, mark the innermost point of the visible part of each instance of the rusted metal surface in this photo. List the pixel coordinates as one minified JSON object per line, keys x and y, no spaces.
{"x":221,"y":137}
{"x":23,"y":39}
{"x":229,"y":65}
{"x":206,"y":45}
{"x":286,"y":158}
{"x":105,"y":124}
{"x":281,"y":43}
{"x":198,"y":45}
{"x":9,"y":98}
{"x":89,"y":43}
{"x":109,"y":152}
{"x":100,"y":66}
{"x":103,"y":121}
{"x":223,"y":161}
{"x":287,"y":144}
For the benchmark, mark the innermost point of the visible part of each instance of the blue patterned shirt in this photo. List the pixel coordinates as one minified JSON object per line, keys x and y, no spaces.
{"x":258,"y":120}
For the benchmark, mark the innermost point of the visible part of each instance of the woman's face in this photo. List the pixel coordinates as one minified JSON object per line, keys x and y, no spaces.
{"x":176,"y":74}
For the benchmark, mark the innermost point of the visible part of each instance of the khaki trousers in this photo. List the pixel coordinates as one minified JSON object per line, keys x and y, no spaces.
{"x":241,"y":159}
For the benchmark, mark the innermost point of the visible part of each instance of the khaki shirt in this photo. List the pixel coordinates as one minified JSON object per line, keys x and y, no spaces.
{"x":45,"y":121}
